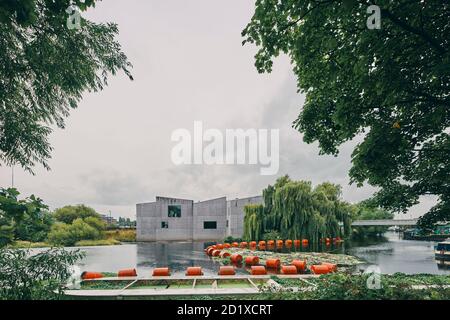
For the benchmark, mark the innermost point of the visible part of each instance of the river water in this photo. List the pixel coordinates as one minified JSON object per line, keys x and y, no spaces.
{"x":390,"y":253}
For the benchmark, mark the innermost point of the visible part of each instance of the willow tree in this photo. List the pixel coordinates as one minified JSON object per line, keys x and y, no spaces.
{"x":253,"y":221}
{"x":298,"y":211}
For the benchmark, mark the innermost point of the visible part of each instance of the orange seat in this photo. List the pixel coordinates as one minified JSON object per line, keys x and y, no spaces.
{"x":243,"y":244}
{"x":87,"y":275}
{"x":235,"y":244}
{"x":224,"y":254}
{"x":320,"y":269}
{"x":216,"y":253}
{"x":251,"y":260}
{"x":297,"y":243}
{"x":288,"y":243}
{"x":258,"y":270}
{"x":236,"y":258}
{"x":273,"y":263}
{"x":194,"y":271}
{"x":289,"y":270}
{"x":161,"y":272}
{"x":332,"y":266}
{"x":300,"y":265}
{"x":127,"y":273}
{"x":227,"y":271}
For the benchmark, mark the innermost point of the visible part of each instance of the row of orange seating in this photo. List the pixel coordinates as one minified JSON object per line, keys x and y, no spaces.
{"x":297,"y":266}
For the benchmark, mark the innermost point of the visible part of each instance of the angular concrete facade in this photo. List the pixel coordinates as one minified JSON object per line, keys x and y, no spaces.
{"x":181,"y":219}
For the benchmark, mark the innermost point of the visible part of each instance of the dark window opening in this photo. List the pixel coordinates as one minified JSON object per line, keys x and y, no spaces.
{"x":164,"y":225}
{"x":174,"y":211}
{"x":210,"y":225}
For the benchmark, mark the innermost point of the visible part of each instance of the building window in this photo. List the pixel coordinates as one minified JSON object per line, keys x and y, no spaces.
{"x":228,"y":223}
{"x":174,"y":211}
{"x":209,"y":224}
{"x":164,"y":225}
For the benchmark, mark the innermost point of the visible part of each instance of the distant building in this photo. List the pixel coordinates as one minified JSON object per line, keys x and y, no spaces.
{"x":108,"y":219}
{"x":182,"y":219}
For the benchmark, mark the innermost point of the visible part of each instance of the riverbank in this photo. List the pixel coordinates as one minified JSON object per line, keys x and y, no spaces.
{"x":109,"y":238}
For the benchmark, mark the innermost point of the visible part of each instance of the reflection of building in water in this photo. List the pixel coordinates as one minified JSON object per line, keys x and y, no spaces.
{"x":181,"y":219}
{"x":176,"y":255}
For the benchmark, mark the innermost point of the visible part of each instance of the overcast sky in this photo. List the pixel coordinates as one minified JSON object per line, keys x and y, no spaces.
{"x":189,"y":65}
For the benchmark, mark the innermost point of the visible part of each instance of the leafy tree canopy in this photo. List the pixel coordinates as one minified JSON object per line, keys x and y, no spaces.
{"x":45,"y":67}
{"x":25,"y":219}
{"x":42,"y":276}
{"x":390,"y":85}
{"x":69,"y":214}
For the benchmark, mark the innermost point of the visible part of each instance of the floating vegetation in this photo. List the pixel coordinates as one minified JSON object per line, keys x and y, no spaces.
{"x":342,"y":261}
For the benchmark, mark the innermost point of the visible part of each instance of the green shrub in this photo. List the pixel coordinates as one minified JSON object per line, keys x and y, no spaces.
{"x":35,"y":277}
{"x":231,"y":239}
{"x":123,"y":235}
{"x":101,"y":242}
{"x":68,"y":234}
{"x":69,"y":214}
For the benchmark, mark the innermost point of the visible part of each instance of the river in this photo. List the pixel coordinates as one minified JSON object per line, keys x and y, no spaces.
{"x":390,"y":253}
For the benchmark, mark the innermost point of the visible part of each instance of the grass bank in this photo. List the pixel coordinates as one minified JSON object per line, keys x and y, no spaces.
{"x":109,"y":238}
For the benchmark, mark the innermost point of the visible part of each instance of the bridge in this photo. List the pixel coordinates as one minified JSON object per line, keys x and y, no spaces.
{"x":385,"y":222}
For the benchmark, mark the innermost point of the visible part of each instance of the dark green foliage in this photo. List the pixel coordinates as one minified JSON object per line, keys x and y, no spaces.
{"x":231,"y":239}
{"x":391,"y":86}
{"x":75,"y":223}
{"x":69,"y":214}
{"x":35,"y":277}
{"x":44,"y":69}
{"x":295,"y":210}
{"x":25,"y":219}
